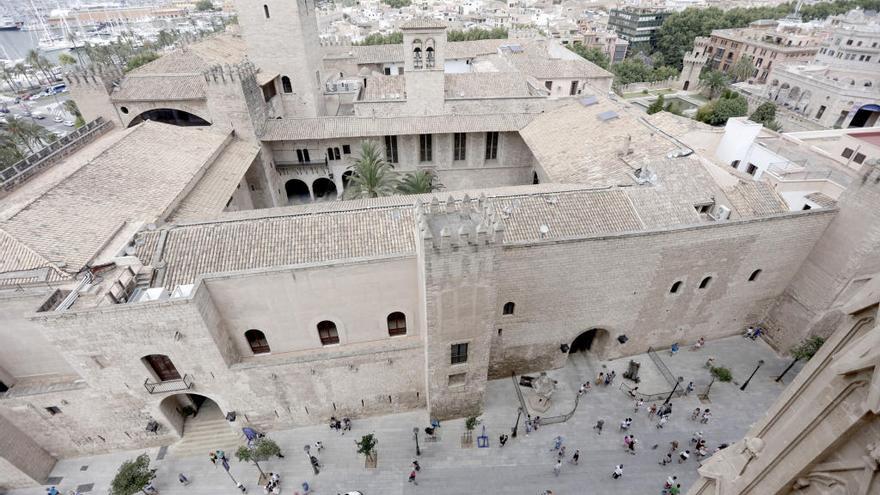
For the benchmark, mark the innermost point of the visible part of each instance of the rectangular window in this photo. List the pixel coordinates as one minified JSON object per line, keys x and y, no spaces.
{"x":859,"y":158}
{"x":391,"y":149}
{"x":820,"y":112}
{"x":426,"y":154}
{"x":491,"y":145}
{"x":459,"y":353}
{"x":336,"y":155}
{"x":269,"y":90}
{"x":548,"y":85}
{"x":457,"y":379}
{"x":460,"y":146}
{"x":752,"y":169}
{"x":847,"y":152}
{"x":574,"y":88}
{"x":346,"y":149}
{"x":330,"y":153}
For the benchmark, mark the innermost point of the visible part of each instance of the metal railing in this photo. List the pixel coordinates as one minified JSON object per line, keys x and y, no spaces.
{"x":563,"y":417}
{"x":184,"y":383}
{"x":670,"y":378}
{"x":522,"y":400}
{"x":635,"y":394}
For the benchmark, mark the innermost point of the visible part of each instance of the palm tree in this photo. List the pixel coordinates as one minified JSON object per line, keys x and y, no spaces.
{"x":37,"y":61}
{"x":9,"y":152}
{"x":73,"y":38}
{"x":371,"y":177}
{"x":23,"y":70}
{"x":6,"y":74}
{"x":743,"y":69}
{"x":714,"y":81}
{"x":29,"y":134}
{"x":65,"y":59}
{"x":418,"y":182}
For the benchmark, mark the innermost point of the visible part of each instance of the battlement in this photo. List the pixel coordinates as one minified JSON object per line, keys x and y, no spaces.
{"x":95,"y":75}
{"x":455,"y":224}
{"x":227,"y":73}
{"x":335,"y":41}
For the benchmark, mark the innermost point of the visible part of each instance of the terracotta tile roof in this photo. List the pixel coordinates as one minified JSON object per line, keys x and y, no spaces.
{"x":21,"y":265}
{"x":423,"y":23}
{"x":384,"y":88}
{"x":822,"y":200}
{"x":160,"y":87}
{"x":755,"y":199}
{"x":488,"y":85}
{"x":222,"y":49}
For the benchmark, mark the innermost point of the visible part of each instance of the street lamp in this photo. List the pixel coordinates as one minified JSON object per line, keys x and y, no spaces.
{"x":416,"y":436}
{"x":744,"y":385}
{"x":516,"y":424}
{"x":677,"y":383}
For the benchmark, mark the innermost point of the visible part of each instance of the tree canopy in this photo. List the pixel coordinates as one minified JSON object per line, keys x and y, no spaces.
{"x":808,"y":348}
{"x":133,"y":476}
{"x":396,"y":4}
{"x":418,"y":182}
{"x":657,"y":106}
{"x":395,"y":38}
{"x":139,"y":60}
{"x":204,"y":5}
{"x":592,"y":54}
{"x":713,"y":81}
{"x":716,"y":112}
{"x":371,"y":176}
{"x":634,"y":70}
{"x":476,"y":34}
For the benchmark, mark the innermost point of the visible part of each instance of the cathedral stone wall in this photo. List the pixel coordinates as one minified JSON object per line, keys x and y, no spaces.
{"x":22,"y":462}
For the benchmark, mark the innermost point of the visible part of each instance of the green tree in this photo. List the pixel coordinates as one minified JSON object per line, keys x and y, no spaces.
{"x":721,"y":373}
{"x":630,"y":70}
{"x":807,"y":349}
{"x":260,"y":450}
{"x":140,"y":60}
{"x":133,"y":476}
{"x":674,"y":108}
{"x":592,"y":54}
{"x":6,"y":74}
{"x":367,"y":446}
{"x":9,"y":151}
{"x":65,"y":59}
{"x":476,"y":33}
{"x":24,"y":71}
{"x":397,"y":4}
{"x":743,"y":68}
{"x":371,"y":177}
{"x":39,"y":62}
{"x":713,"y":81}
{"x":71,"y":108}
{"x":716,"y":112}
{"x":764,"y":114}
{"x":663,"y":73}
{"x":28,"y":134}
{"x":395,"y":38}
{"x":418,"y":182}
{"x":657,"y":106}
{"x":204,"y":6}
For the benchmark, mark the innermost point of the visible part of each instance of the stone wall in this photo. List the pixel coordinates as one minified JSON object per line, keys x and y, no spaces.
{"x":22,"y":462}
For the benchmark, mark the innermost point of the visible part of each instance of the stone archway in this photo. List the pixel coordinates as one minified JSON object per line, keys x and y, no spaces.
{"x":171,"y":116}
{"x":594,"y":340}
{"x":324,"y":189}
{"x":297,"y":192}
{"x":200,"y":423}
{"x":866,"y":116}
{"x":181,"y":409}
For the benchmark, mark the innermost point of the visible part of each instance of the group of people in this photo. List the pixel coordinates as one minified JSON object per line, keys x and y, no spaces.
{"x":274,"y":484}
{"x":343,"y":426}
{"x":559,"y":448}
{"x":606,"y":378}
{"x":704,"y":416}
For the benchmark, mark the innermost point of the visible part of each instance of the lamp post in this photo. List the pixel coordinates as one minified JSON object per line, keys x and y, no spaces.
{"x":677,"y":383}
{"x":516,"y":424}
{"x":416,"y":436}
{"x":744,"y":385}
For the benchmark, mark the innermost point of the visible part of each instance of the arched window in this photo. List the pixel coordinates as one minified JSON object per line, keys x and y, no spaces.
{"x":675,"y":287}
{"x":417,"y":54}
{"x":266,"y":10}
{"x":285,"y":85}
{"x":257,"y":340}
{"x":705,"y":282}
{"x":327,"y":332}
{"x":429,"y":53}
{"x":508,"y":308}
{"x":754,"y":275}
{"x":396,"y":324}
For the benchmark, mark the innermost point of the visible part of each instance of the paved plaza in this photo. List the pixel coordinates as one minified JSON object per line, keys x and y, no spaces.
{"x":524,"y":465}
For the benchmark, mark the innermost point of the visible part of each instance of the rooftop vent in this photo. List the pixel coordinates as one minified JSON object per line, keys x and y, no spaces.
{"x":589,"y":100}
{"x":608,"y":115}
{"x":544,"y":229}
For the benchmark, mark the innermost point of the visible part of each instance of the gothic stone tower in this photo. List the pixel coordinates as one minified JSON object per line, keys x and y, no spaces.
{"x":693,"y":63}
{"x":90,"y":89}
{"x":424,"y":42}
{"x":457,"y":256}
{"x":282,"y":39}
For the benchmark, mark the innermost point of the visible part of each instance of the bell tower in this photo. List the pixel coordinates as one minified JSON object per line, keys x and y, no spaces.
{"x":282,"y":41}
{"x":424,"y":42}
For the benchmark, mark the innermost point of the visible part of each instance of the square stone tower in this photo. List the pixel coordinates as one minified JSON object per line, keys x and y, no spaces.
{"x":282,"y":39}
{"x":424,"y":43}
{"x":458,"y":257}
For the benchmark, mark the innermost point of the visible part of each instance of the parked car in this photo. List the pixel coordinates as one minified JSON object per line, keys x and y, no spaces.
{"x":58,"y":119}
{"x":68,"y":123}
{"x":38,"y":115}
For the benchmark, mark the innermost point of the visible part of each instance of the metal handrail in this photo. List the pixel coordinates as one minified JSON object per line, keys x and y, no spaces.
{"x":561,"y":418}
{"x":662,"y":367}
{"x":184,"y":383}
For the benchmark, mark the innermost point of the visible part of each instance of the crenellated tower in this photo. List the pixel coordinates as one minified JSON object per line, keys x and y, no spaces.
{"x":693,"y":63}
{"x":91,"y":88}
{"x":458,"y":256}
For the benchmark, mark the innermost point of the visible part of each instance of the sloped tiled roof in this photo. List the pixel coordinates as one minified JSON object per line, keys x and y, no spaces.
{"x":222,"y":49}
{"x":423,"y":23}
{"x":160,"y":87}
{"x":487,"y":85}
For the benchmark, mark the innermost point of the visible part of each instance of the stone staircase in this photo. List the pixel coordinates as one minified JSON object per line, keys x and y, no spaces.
{"x":205,"y":433}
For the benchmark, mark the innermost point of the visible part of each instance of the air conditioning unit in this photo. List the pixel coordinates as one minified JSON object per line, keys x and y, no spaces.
{"x":720,"y":212}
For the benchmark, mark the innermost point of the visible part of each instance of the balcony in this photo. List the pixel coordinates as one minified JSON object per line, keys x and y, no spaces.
{"x":184,"y":383}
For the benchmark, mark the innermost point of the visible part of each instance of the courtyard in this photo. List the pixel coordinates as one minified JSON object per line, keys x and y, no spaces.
{"x":524,"y":465}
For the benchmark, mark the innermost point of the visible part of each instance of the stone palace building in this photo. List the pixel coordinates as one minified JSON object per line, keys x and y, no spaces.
{"x":197,"y":252}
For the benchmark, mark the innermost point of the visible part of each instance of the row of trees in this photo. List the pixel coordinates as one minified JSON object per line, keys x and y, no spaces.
{"x":396,"y":37}
{"x":22,"y":137}
{"x":373,"y":177}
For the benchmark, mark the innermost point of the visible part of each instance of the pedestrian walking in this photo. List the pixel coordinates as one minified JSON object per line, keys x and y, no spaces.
{"x":608,"y":379}
{"x":52,"y":490}
{"x":706,"y":417}
{"x":632,"y":445}
{"x":698,"y":435}
{"x":306,"y":488}
{"x":683,"y":456}
{"x":528,"y":426}
{"x":663,"y":421}
{"x":182,"y":479}
{"x":613,"y":376}
{"x":689,"y":388}
{"x":695,"y":414}
{"x":346,"y":424}
{"x":213,"y":457}
{"x":673,"y":446}
{"x":412,"y":477}
{"x":319,"y":446}
{"x":558,"y":467}
{"x":626,"y":441}
{"x":675,"y":490}
{"x":222,"y":456}
{"x":599,"y":425}
{"x":638,"y":405}
{"x":502,"y":439}
{"x":557,"y":442}
{"x":670,"y":482}
{"x":666,"y":459}
{"x":626,"y":423}
{"x":561,"y":453}
{"x":652,"y":410}
{"x":240,"y":487}
{"x":576,"y":457}
{"x":600,"y":379}
{"x":618,"y":471}
{"x":415,"y":465}
{"x":536,"y":422}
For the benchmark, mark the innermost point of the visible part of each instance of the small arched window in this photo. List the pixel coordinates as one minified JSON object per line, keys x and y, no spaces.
{"x":285,"y":85}
{"x":754,"y":275}
{"x":705,"y":282}
{"x":257,"y":340}
{"x":327,"y":332}
{"x":508,"y":308}
{"x":396,"y":324}
{"x":266,"y":10}
{"x":675,"y":287}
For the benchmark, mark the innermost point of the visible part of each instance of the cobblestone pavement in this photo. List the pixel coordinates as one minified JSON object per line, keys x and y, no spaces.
{"x":524,"y":465}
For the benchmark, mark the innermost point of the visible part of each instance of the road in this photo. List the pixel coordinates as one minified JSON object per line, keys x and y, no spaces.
{"x":50,"y":106}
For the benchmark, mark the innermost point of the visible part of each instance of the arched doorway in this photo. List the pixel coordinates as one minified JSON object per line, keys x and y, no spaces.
{"x":346,"y":178}
{"x":866,"y":116}
{"x":297,"y":192}
{"x":593,"y":340}
{"x":201,"y":424}
{"x":170,"y":116}
{"x":324,"y":189}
